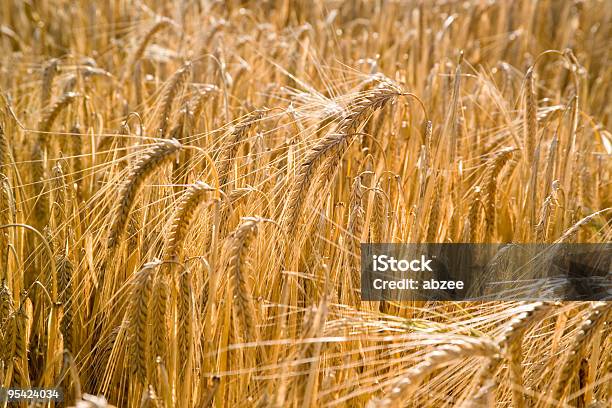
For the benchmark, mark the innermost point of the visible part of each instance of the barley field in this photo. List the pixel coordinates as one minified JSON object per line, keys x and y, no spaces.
{"x":184,"y":187}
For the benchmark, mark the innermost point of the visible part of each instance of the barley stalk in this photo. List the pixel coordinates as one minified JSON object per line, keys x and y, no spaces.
{"x":434,"y":215}
{"x":42,"y":203}
{"x":474,"y":216}
{"x":60,"y":207}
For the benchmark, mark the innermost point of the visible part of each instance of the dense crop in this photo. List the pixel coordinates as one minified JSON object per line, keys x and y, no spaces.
{"x":184,"y":187}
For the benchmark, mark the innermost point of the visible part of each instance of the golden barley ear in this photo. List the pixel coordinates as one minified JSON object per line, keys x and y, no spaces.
{"x":404,"y":387}
{"x":158,"y":26}
{"x":233,"y":144}
{"x":76,"y":151}
{"x":138,"y":316}
{"x":21,"y":373}
{"x":186,"y":322}
{"x":490,"y":188}
{"x":40,"y":156}
{"x":596,"y":316}
{"x":4,"y":151}
{"x":6,"y":217}
{"x":190,"y":114}
{"x":191,"y":199}
{"x":7,"y":309}
{"x":154,"y":158}
{"x":65,"y":271}
{"x":49,"y":73}
{"x":159,"y":307}
{"x":53,"y":111}
{"x":354,"y":230}
{"x":41,"y":187}
{"x":379,"y":216}
{"x":174,"y":86}
{"x":530,"y":117}
{"x":571,"y":232}
{"x":511,"y":343}
{"x":548,"y":214}
{"x":331,"y":148}
{"x":240,"y":242}
{"x":60,"y":209}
